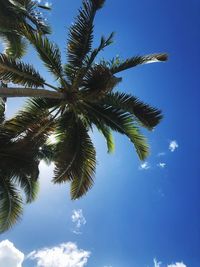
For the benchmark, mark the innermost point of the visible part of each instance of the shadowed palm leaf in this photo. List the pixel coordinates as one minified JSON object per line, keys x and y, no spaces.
{"x":19,"y":72}
{"x":21,"y":141}
{"x":10,"y":204}
{"x":147,"y":115}
{"x":76,"y":157}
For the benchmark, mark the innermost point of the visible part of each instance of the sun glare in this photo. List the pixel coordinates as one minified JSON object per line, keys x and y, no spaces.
{"x":52,"y":139}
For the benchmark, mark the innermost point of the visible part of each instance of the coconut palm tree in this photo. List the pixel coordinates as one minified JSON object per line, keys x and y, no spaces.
{"x":13,"y":15}
{"x":82,"y":98}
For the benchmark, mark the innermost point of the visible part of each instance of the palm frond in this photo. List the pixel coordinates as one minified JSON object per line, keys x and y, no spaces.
{"x":122,"y":122}
{"x":14,"y":44}
{"x":103,"y":43}
{"x":35,"y":105}
{"x":34,"y":123}
{"x":76,"y":76}
{"x":19,"y":72}
{"x":2,"y":104}
{"x":47,"y":51}
{"x":103,"y":129}
{"x":81,"y":184}
{"x":29,"y":15}
{"x":147,"y":115}
{"x":10,"y":204}
{"x":81,"y":33}
{"x":29,"y":184}
{"x":118,"y":66}
{"x":44,"y":7}
{"x":106,"y":131}
{"x":68,"y":149}
{"x":2,"y":110}
{"x":75,"y":159}
{"x":98,"y":3}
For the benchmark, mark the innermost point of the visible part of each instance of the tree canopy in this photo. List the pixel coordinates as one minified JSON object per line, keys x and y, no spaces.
{"x":84,"y":96}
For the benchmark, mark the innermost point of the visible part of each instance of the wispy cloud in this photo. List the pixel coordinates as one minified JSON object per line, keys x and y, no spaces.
{"x":177,"y":264}
{"x":157,"y":263}
{"x":144,"y":166}
{"x":48,"y":4}
{"x":173,"y":145}
{"x":161,"y":154}
{"x":78,"y":219}
{"x":9,"y":255}
{"x":64,"y":255}
{"x":162,"y":165}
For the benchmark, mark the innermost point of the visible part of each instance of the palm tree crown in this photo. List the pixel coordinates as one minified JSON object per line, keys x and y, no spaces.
{"x":84,"y":98}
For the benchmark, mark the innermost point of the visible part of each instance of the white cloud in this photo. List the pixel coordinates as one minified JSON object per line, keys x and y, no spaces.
{"x":157,"y":263}
{"x":48,"y":4}
{"x":178,"y":264}
{"x":64,"y":255}
{"x":162,"y":165}
{"x":9,"y":255}
{"x":173,"y":145}
{"x":144,"y":166}
{"x":78,"y":219}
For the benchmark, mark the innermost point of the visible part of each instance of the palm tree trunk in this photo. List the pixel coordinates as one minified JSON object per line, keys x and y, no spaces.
{"x":29,"y":92}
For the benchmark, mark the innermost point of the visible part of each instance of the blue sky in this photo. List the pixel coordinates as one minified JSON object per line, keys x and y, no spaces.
{"x":134,"y":213}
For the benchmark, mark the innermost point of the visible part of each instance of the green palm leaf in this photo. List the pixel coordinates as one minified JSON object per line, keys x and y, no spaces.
{"x":28,"y":14}
{"x":34,"y":120}
{"x":81,"y":33}
{"x":108,"y":136}
{"x":15,"y":45}
{"x":104,"y":130}
{"x":81,"y":184}
{"x":75,"y":159}
{"x":10,"y":204}
{"x":87,"y":63}
{"x":29,"y":184}
{"x":103,"y":43}
{"x":147,"y":115}
{"x":47,"y":51}
{"x":19,"y":72}
{"x":118,"y":66}
{"x":67,"y":148}
{"x":121,"y":121}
